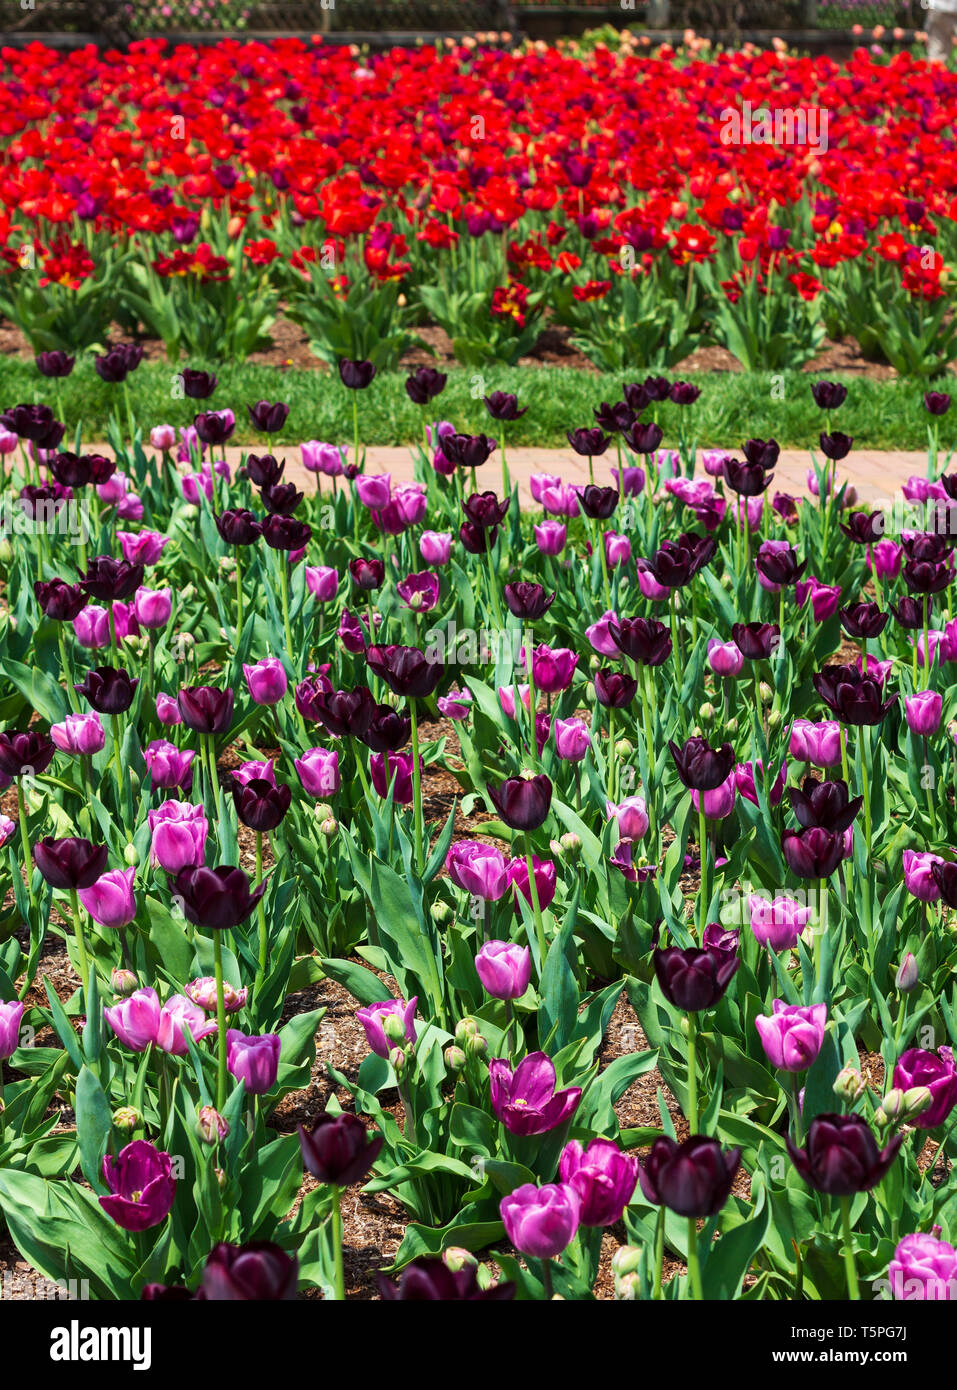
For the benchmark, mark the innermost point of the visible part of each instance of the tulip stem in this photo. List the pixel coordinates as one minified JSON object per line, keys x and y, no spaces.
{"x":239,"y":599}
{"x":417,"y":789}
{"x":340,"y":1275}
{"x":117,"y":757}
{"x":284,"y":592}
{"x":263,"y":936}
{"x":25,"y":841}
{"x":611,"y":752}
{"x":692,"y":1077}
{"x":600,"y":542}
{"x":80,"y":943}
{"x":536,"y":907}
{"x":647,"y":704}
{"x":220,"y":1021}
{"x":694,"y":1264}
{"x":850,"y":1265}
{"x":67,"y":671}
{"x":794,"y":1096}
{"x":703,"y":848}
{"x":656,"y":1292}
{"x":547,"y":1280}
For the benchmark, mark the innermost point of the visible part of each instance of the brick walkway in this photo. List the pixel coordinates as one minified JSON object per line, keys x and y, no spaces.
{"x":875,"y":474}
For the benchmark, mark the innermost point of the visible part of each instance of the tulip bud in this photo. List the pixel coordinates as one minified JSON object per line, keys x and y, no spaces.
{"x":329,"y":827}
{"x":441,"y":913}
{"x":455,"y":1259}
{"x":210,"y":1125}
{"x":590,"y":693}
{"x":187,"y":594}
{"x":625,"y":1260}
{"x":227,"y":566}
{"x":624,"y":749}
{"x":124,"y":983}
{"x":556,"y":848}
{"x":725,"y":580}
{"x":476,"y":1046}
{"x":184,"y":642}
{"x":571,"y":844}
{"x":907,"y":977}
{"x":697,"y":732}
{"x":849,"y":1084}
{"x":127,"y":1119}
{"x":774,"y":719}
{"x":399,"y":1062}
{"x":465,"y":1028}
{"x":394,"y":1028}
{"x":916,"y":1101}
{"x":732,"y":726}
{"x":322,"y":810}
{"x":131,"y":856}
{"x":6,"y":555}
{"x":707,"y":712}
{"x":891,"y":1110}
{"x":221,"y":1178}
{"x":766,"y":693}
{"x":455,"y":1060}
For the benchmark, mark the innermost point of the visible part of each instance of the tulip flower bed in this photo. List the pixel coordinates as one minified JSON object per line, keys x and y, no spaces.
{"x":192,"y":193}
{"x":666,"y":760}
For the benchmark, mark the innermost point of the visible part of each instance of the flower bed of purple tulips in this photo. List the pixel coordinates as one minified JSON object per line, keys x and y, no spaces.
{"x":220,"y":699}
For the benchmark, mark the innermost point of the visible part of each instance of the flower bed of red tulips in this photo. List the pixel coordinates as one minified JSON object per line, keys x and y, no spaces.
{"x":639,"y":201}
{"x":698,"y":735}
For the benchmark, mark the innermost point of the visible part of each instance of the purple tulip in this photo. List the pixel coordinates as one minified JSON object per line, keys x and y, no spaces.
{"x":919,"y":875}
{"x":550,"y":537}
{"x":603,"y":1177}
{"x":572,"y":739}
{"x":841,"y":1156}
{"x":436,"y":547}
{"x":541,"y":1221}
{"x":110,"y":900}
{"x":79,"y":734}
{"x":553,"y":669}
{"x":179,"y":833}
{"x":923,"y":1267}
{"x":10,"y":1017}
{"x":819,"y":743}
{"x":253,"y":1060}
{"x":257,"y":1272}
{"x":419,"y":592}
{"x":397,"y":772}
{"x":504,"y":968}
{"x":793,"y":1035}
{"x":724,"y":658}
{"x":322,"y":582}
{"x":374,"y":1019}
{"x":205,"y":709}
{"x":923,"y":712}
{"x":779,"y":923}
{"x":479,"y":869}
{"x":266,"y":680}
{"x":176,"y":1015}
{"x":456,"y":705}
{"x":167,"y":710}
{"x":718,"y":803}
{"x":152,"y":607}
{"x":692,"y":1179}
{"x":135,"y":1020}
{"x":202,"y":991}
{"x":141,"y":1185}
{"x":545,"y":879}
{"x":340,"y":1149}
{"x":936,"y":1071}
{"x":694,"y":979}
{"x":525,"y":1100}
{"x":70,"y":863}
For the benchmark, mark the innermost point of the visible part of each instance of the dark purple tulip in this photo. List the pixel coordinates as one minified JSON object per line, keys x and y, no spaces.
{"x":71,"y":470}
{"x":197,"y":385}
{"x":636,"y":395}
{"x":70,"y":863}
{"x":614,"y":689}
{"x":204,"y":709}
{"x":340,"y":1149}
{"x":763,"y":453}
{"x":827,"y":804}
{"x":926,"y":577}
{"x":863,"y":620}
{"x":108,"y":690}
{"x":485,"y":511}
{"x":692,"y":1179}
{"x":307,"y":693}
{"x":355,"y":375}
{"x":388,"y":732}
{"x":657,"y":387}
{"x":475,"y":539}
{"x":786,"y":507}
{"x":502,"y":405}
{"x":257,"y":1272}
{"x":813,"y":853}
{"x":945,"y":876}
{"x":264,"y":470}
{"x":614,"y":419}
{"x":55,"y":363}
{"x":588,"y":442}
{"x":642,"y":639}
{"x":142,"y":1186}
{"x":38,"y":502}
{"x":675,"y":563}
{"x":268,"y":416}
{"x":59,"y":600}
{"x":282,"y":499}
{"x":214,"y":427}
{"x":286,"y":533}
{"x":746,"y":479}
{"x":110,"y":579}
{"x":598,"y":502}
{"x":406,"y":670}
{"x":527,"y":600}
{"x":215,"y":899}
{"x":165,"y":1293}
{"x":367,"y":574}
{"x":701,"y":767}
{"x":694,"y":979}
{"x":854,"y":698}
{"x":864,"y":528}
{"x":33,"y":422}
{"x":756,"y":641}
{"x":101,"y":468}
{"x":841,"y":1156}
{"x":523,"y":802}
{"x":346,"y":712}
{"x":25,"y":754}
{"x":643,"y":437}
{"x":468,"y":450}
{"x":937,"y":402}
{"x":238,"y":527}
{"x":835,"y":446}
{"x":909,"y":612}
{"x":112,"y":366}
{"x":683,"y":392}
{"x":780,"y":567}
{"x":429,"y":1280}
{"x":259,"y":804}
{"x":424,"y":385}
{"x":828,"y":395}
{"x":928,"y":546}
